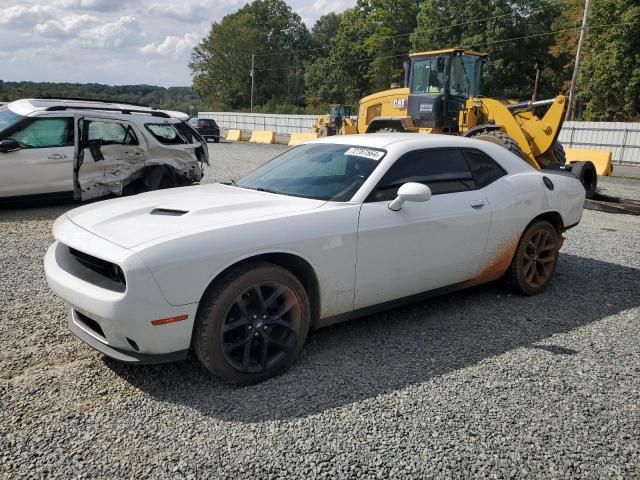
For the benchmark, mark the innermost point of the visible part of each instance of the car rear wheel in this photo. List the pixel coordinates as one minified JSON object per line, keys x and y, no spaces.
{"x":535,"y":260}
{"x":252,"y":324}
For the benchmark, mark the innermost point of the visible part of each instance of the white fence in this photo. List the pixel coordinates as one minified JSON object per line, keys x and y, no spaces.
{"x":623,"y":139}
{"x":263,"y":121}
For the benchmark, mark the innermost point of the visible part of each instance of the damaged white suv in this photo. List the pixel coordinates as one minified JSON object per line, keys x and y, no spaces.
{"x":56,"y":147}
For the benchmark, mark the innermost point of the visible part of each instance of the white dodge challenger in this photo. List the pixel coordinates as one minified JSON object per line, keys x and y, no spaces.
{"x":327,"y":231}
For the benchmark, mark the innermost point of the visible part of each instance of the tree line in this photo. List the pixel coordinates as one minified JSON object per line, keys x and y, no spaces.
{"x":181,"y":99}
{"x":350,"y":54}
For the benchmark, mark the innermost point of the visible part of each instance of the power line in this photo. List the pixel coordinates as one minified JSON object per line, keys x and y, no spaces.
{"x":535,"y":35}
{"x":435,"y":29}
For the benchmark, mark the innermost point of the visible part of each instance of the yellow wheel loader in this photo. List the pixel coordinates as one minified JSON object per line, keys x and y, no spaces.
{"x":338,"y":122}
{"x":442,"y":94}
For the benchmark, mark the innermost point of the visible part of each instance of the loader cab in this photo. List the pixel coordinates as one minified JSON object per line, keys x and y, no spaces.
{"x":337,"y":114}
{"x":440,"y":82}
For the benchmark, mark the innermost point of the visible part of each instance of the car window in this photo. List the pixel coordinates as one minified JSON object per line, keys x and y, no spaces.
{"x":484,"y":169}
{"x":165,"y":133}
{"x":45,"y":132}
{"x":190,"y":135}
{"x":111,"y":133}
{"x":321,"y":171}
{"x":443,"y":171}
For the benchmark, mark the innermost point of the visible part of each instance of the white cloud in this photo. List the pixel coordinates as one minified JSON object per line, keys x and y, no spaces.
{"x":122,"y":33}
{"x":172,"y":46}
{"x":96,"y":5}
{"x":115,"y":41}
{"x":17,"y":16}
{"x":65,"y":27}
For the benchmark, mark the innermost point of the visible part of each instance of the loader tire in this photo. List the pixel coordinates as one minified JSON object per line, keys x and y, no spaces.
{"x":586,"y":173}
{"x":558,"y":153}
{"x":500,"y":138}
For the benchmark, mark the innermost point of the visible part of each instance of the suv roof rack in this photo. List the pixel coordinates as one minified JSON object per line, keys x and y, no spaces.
{"x":126,"y":111}
{"x":94,"y":100}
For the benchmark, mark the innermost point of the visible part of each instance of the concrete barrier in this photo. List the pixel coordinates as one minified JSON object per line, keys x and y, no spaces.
{"x":298,"y":138}
{"x":263,"y":136}
{"x":234,"y":135}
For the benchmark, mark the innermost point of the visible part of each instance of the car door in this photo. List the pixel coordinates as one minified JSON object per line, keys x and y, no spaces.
{"x":42,"y":164}
{"x":423,"y":246}
{"x":108,"y":154}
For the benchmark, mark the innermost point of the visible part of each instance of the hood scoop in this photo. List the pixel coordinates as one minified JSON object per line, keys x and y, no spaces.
{"x":170,"y":212}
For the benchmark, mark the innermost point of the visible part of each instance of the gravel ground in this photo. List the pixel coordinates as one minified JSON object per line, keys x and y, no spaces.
{"x":476,"y":384}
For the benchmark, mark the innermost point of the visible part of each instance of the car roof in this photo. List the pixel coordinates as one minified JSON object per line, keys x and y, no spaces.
{"x":386,"y":140}
{"x":30,"y":106}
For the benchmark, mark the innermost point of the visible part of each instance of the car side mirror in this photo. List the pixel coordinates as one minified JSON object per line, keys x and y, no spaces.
{"x":410,"y":192}
{"x":9,"y":145}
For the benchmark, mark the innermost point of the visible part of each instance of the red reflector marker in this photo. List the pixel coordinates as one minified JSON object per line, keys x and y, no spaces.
{"x":164,"y":321}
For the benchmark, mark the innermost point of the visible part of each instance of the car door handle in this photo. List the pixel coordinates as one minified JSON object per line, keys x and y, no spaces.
{"x":477,"y":203}
{"x":56,"y":156}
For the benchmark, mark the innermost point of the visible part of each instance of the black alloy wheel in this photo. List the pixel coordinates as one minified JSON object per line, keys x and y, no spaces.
{"x":261,"y":327}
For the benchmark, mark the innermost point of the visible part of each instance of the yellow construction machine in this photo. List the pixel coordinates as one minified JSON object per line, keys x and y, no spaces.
{"x":442,"y":94}
{"x":337,"y":122}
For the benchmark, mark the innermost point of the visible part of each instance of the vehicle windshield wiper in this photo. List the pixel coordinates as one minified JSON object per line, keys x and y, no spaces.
{"x":268,"y":190}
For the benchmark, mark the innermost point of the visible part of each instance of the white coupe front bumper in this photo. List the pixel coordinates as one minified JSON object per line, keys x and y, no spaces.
{"x":135,"y":323}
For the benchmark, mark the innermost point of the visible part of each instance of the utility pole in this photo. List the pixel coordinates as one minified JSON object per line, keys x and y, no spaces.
{"x":572,"y":90}
{"x":253,"y":59}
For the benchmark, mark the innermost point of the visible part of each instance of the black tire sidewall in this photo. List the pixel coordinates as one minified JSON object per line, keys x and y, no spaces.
{"x":214,"y":305}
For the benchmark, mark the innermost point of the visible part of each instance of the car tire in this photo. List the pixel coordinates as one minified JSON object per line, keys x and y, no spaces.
{"x":535,"y":259}
{"x":241,"y":334}
{"x":216,"y":139}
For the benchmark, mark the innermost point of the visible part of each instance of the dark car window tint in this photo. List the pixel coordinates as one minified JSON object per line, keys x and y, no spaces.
{"x":443,"y":171}
{"x":187,"y":132}
{"x":485,"y":170}
{"x":165,"y":133}
{"x":45,"y":132}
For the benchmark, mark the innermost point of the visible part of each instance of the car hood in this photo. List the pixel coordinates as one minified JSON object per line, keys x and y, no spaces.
{"x":131,"y":221}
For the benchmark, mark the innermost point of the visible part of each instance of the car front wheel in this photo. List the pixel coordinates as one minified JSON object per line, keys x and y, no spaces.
{"x":252,"y":323}
{"x":535,"y":260}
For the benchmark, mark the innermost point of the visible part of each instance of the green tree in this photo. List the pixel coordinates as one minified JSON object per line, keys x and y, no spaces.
{"x":508,"y":30}
{"x":609,"y":82}
{"x":221,"y":62}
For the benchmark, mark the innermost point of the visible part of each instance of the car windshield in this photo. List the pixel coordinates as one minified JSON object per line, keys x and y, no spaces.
{"x":8,"y":118}
{"x":321,"y":171}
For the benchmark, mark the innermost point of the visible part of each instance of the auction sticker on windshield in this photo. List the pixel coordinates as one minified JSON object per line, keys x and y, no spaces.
{"x":365,"y":152}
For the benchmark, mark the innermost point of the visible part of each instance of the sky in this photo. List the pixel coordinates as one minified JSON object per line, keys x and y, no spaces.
{"x":115,"y":42}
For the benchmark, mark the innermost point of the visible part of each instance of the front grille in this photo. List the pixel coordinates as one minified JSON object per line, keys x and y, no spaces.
{"x":90,"y":324}
{"x":102,"y":267}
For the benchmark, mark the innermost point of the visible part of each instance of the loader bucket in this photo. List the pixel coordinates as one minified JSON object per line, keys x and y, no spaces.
{"x":601,"y":159}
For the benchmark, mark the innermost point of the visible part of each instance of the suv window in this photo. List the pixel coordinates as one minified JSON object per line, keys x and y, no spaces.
{"x":165,"y":133}
{"x":111,"y":133}
{"x":443,"y":171}
{"x":485,"y":170}
{"x":45,"y":132}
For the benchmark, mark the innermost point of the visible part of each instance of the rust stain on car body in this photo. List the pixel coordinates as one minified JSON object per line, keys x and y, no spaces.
{"x":500,"y":261}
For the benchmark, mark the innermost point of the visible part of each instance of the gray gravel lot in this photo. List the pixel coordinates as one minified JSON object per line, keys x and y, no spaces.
{"x":481,"y":383}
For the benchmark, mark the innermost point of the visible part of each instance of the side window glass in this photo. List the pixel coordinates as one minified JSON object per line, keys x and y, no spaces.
{"x":443,"y":171}
{"x":485,"y":170}
{"x":45,"y":132}
{"x":165,"y":133}
{"x":111,"y":133}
